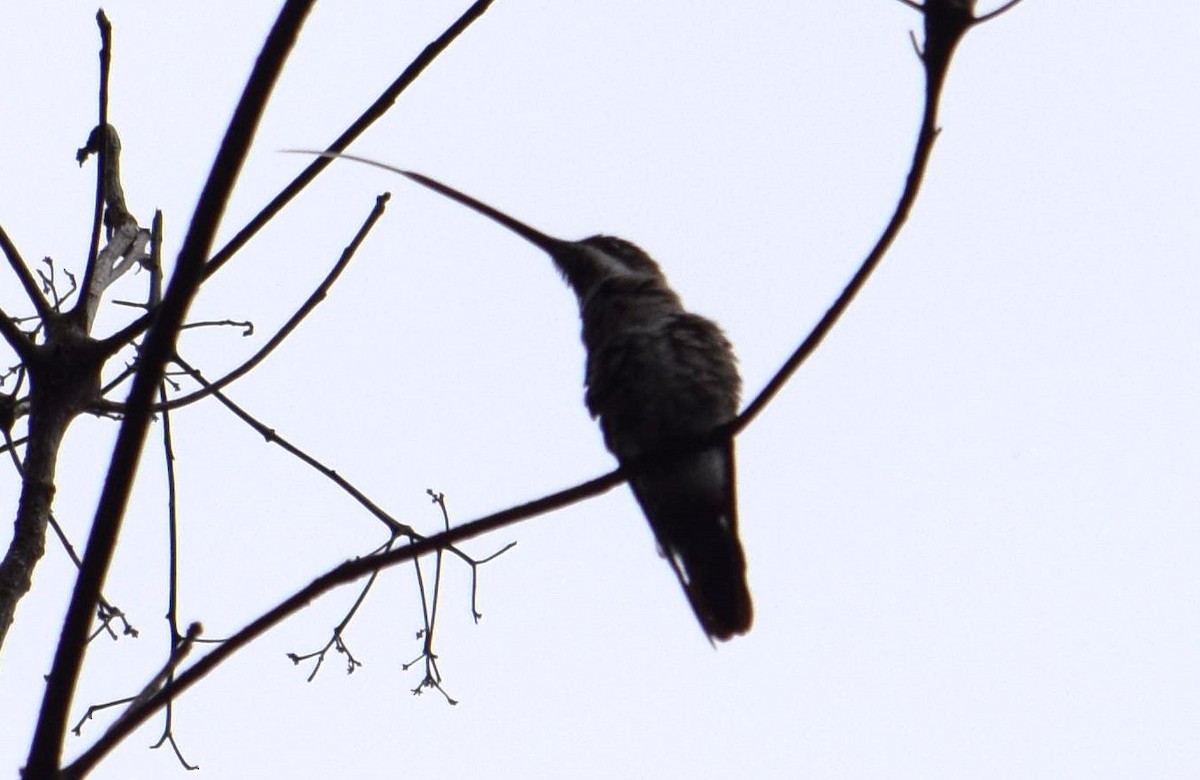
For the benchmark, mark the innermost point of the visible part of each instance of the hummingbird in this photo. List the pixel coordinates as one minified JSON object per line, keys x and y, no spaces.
{"x":661,"y":381}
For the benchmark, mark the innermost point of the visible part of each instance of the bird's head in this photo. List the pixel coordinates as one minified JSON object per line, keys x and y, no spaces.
{"x":586,"y":263}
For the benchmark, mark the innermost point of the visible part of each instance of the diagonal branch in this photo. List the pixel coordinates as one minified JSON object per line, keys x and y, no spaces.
{"x":317,"y":296}
{"x":340,"y":575}
{"x":40,"y":304}
{"x":946,"y":22}
{"x":394,"y":526}
{"x":376,"y":110}
{"x":46,"y":750}
{"x":16,"y":338}
{"x":993,"y":14}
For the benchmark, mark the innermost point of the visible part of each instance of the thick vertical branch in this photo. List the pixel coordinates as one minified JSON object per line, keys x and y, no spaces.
{"x":49,"y":420}
{"x":64,"y":375}
{"x":45,"y":752}
{"x":64,"y":370}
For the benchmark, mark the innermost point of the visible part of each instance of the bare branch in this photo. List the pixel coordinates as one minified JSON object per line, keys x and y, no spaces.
{"x":102,"y":153}
{"x":50,"y":284}
{"x":395,"y":527}
{"x":317,"y":296}
{"x":111,"y":345}
{"x":945,"y":26}
{"x":335,"y":640}
{"x":92,"y":709}
{"x":175,"y":638}
{"x":246,"y":325}
{"x":269,"y":434}
{"x":159,"y":683}
{"x":24,"y":275}
{"x":339,"y":575}
{"x":993,"y":14}
{"x":433,"y":675}
{"x":126,"y":240}
{"x":16,"y":338}
{"x":168,"y":737}
{"x":108,"y":612}
{"x":376,"y":110}
{"x":48,"y":738}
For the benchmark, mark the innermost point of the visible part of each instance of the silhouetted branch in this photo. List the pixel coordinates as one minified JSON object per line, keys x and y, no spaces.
{"x":102,"y":154}
{"x":429,"y":608}
{"x":92,"y":709}
{"x":357,"y":128}
{"x":107,"y":611}
{"x":335,"y":640}
{"x":16,"y":338}
{"x":993,"y":14}
{"x":946,"y":22}
{"x":24,"y":275}
{"x":340,"y":575}
{"x":127,"y":334}
{"x":175,"y":638}
{"x":50,"y":284}
{"x":317,"y":296}
{"x":269,"y":434}
{"x":476,"y":615}
{"x":246,"y":325}
{"x":157,"y":350}
{"x":127,"y":241}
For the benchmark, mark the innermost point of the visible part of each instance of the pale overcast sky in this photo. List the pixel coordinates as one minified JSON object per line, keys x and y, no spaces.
{"x":972,"y":520}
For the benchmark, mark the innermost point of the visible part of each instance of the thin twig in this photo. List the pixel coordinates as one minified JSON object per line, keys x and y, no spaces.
{"x":993,"y":14}
{"x":270,"y":435}
{"x":433,"y":675}
{"x":175,"y":637}
{"x":92,"y":709}
{"x":336,"y":640}
{"x":50,"y":284}
{"x":102,"y":154}
{"x":246,"y":325}
{"x":126,"y":247}
{"x":317,"y":296}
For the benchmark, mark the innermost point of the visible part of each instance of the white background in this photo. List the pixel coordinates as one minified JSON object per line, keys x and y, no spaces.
{"x":971,"y":519}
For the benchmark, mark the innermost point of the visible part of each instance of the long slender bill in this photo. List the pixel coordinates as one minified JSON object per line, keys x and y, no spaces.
{"x":535,"y":237}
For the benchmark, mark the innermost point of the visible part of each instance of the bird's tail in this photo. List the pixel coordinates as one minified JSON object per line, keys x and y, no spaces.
{"x":712,"y":569}
{"x":692,"y":508}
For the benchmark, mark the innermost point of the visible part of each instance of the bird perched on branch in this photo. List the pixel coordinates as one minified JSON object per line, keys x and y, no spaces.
{"x":662,"y":381}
